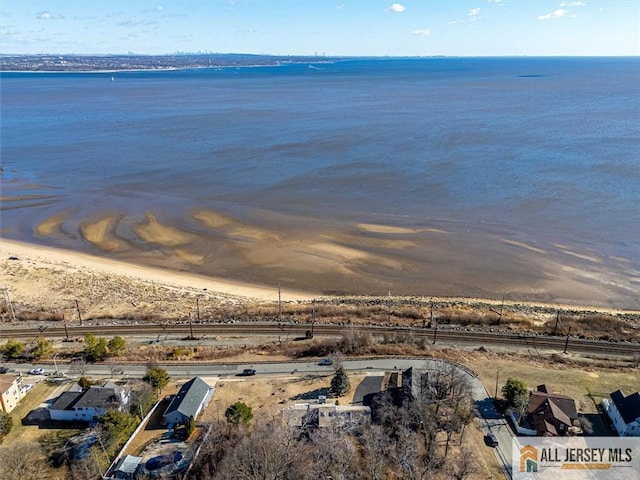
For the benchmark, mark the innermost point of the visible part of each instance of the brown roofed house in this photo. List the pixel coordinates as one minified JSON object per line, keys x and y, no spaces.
{"x":552,"y":414}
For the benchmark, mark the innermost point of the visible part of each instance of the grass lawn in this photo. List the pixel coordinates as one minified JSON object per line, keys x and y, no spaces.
{"x":587,"y":388}
{"x":38,"y":394}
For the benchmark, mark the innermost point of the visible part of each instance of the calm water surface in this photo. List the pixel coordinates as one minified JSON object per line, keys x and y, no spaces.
{"x":546,"y":149}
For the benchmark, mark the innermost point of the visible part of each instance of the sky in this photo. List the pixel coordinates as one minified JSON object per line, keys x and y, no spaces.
{"x":322,"y":27}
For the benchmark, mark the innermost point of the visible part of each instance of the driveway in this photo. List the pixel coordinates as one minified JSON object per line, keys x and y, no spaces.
{"x":370,"y":384}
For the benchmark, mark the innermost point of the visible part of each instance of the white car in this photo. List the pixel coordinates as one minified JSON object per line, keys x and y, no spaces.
{"x":36,"y":371}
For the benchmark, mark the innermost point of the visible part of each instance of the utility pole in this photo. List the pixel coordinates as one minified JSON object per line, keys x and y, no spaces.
{"x":78,"y":309}
{"x":7,"y":300}
{"x":555,"y":329}
{"x":497,"y":376}
{"x":279,"y":304}
{"x":435,"y":332}
{"x":430,"y":314}
{"x":197,"y":308}
{"x":389,"y":307}
{"x":566,"y":343}
{"x":66,"y":331}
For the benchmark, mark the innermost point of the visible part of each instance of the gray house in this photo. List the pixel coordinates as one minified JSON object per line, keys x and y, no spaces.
{"x":192,"y":397}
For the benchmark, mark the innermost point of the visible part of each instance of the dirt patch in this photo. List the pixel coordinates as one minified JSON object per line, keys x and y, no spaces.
{"x":268,"y":395}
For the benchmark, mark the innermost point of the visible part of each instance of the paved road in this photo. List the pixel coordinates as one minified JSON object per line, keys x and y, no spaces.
{"x":485,"y":411}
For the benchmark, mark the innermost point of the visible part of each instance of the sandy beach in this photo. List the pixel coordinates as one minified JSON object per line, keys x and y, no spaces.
{"x":137,"y":267}
{"x":250,"y":256}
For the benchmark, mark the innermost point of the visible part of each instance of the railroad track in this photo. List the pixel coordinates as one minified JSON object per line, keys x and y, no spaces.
{"x":299,"y":330}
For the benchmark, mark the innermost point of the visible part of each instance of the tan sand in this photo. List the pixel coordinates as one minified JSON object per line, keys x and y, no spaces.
{"x":233,"y":228}
{"x":99,"y":233}
{"x":51,"y":225}
{"x":581,"y":256}
{"x":54,"y":257}
{"x":524,"y":245}
{"x":153,"y":231}
{"x":373,"y":228}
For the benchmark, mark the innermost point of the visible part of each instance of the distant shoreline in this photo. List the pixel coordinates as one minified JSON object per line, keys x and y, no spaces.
{"x":136,"y":63}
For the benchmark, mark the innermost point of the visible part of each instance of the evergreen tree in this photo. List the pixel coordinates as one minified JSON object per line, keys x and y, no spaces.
{"x":513,"y":390}
{"x":339,"y":383}
{"x":239,"y":413}
{"x":157,"y":377}
{"x":117,"y":346}
{"x":12,"y":349}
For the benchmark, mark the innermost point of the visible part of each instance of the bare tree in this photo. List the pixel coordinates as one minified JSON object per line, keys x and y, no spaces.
{"x":463,"y":465}
{"x":22,"y":461}
{"x":375,"y":443}
{"x":270,"y":452}
{"x":332,"y":452}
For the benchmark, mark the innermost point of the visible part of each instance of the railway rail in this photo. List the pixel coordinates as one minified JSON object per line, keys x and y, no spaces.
{"x":468,"y":337}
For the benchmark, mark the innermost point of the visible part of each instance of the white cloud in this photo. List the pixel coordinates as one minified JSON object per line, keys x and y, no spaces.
{"x":44,"y":16}
{"x":572,"y":4}
{"x":396,"y":8}
{"x":473,"y":13}
{"x":453,"y":22}
{"x":159,"y":8}
{"x":422,"y":32}
{"x":561,"y":12}
{"x":340,"y":6}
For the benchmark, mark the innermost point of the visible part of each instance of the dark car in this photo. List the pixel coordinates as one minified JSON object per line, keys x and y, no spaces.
{"x":247,"y":372}
{"x":491,"y":440}
{"x":326,"y":361}
{"x":4,"y":369}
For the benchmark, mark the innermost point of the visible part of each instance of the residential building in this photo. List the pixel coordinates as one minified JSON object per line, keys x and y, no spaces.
{"x":88,"y":405}
{"x":11,"y":391}
{"x":624,"y":412}
{"x":552,"y":414}
{"x":319,"y":415}
{"x":192,"y":397}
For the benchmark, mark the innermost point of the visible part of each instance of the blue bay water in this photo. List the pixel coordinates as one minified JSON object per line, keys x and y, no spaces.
{"x":543,"y":148}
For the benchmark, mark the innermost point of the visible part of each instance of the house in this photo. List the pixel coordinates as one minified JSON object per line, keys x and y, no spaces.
{"x":11,"y":392}
{"x":88,"y":405}
{"x":552,"y":415}
{"x":320,"y":415}
{"x":192,"y":397}
{"x":624,"y":412}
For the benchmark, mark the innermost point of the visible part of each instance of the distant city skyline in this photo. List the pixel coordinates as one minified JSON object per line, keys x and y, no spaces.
{"x":323,"y":27}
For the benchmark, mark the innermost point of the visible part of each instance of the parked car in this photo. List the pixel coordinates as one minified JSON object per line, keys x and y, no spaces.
{"x":491,"y":439}
{"x":3,"y":370}
{"x":247,"y":372}
{"x":36,"y":371}
{"x":326,"y":361}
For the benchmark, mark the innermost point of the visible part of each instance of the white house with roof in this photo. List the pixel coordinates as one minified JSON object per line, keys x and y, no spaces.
{"x":192,"y":397}
{"x":89,"y":405}
{"x":624,"y":412}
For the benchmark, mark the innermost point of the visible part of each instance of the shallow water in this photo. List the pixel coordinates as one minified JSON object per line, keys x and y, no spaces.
{"x":542,"y":152}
